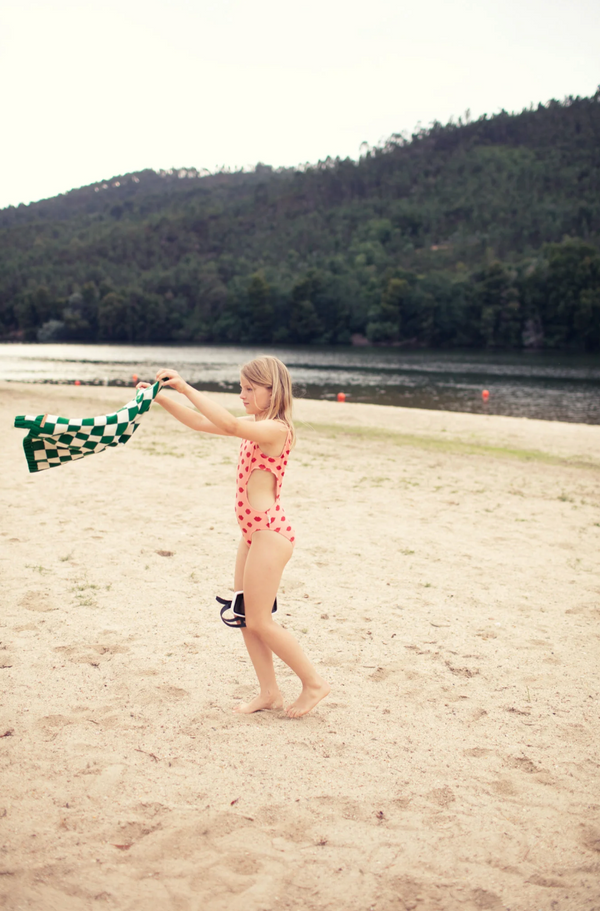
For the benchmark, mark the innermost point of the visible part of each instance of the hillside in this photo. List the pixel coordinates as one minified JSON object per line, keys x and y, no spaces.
{"x":482,"y":233}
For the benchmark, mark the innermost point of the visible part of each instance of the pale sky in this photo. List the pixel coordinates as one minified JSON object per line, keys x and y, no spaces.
{"x":91,"y":90}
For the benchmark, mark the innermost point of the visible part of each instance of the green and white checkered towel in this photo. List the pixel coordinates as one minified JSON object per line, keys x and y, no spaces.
{"x":52,"y":441}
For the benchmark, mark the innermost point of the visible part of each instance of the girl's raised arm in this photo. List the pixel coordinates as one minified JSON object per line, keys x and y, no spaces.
{"x":185,"y":415}
{"x":213,"y":418}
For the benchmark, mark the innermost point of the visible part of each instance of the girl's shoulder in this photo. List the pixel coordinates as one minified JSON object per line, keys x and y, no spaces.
{"x":288,"y":429}
{"x":278,"y":424}
{"x":290,"y":433}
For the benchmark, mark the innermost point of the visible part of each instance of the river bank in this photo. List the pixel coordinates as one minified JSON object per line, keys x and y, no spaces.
{"x":546,"y":386}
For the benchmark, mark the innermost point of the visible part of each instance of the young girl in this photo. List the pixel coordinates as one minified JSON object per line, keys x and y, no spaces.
{"x":267,"y":541}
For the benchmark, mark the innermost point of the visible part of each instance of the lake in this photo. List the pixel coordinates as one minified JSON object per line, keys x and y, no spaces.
{"x":554,"y":387}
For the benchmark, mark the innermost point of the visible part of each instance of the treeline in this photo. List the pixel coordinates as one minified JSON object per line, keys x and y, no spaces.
{"x":483,"y":233}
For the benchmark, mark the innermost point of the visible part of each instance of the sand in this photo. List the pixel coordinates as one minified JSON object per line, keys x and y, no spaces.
{"x":445,"y":581}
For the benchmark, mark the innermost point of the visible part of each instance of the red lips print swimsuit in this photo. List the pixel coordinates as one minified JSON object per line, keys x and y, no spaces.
{"x":274,"y":519}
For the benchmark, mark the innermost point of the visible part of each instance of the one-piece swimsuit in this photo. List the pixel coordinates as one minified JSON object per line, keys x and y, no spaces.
{"x":274,"y":518}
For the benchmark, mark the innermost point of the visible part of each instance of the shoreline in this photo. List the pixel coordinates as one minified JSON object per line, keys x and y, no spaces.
{"x":553,"y":387}
{"x":418,"y":426}
{"x":216,"y":389}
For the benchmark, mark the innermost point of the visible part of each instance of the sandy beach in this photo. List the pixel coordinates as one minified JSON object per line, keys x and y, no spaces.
{"x":446,"y":582}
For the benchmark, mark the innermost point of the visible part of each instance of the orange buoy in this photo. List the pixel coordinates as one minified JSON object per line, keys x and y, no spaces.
{"x":485,"y":395}
{"x":78,"y":382}
{"x":341,"y":396}
{"x":134,"y":378}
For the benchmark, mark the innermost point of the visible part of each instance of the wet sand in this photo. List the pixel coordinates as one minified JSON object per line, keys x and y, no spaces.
{"x":446,"y":582}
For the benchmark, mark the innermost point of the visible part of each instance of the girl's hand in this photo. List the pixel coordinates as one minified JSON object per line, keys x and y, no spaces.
{"x":171,"y":378}
{"x":159,"y":399}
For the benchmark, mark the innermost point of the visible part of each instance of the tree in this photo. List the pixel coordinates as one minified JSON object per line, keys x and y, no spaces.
{"x":260,"y":313}
{"x":114,"y":323}
{"x":386,"y":319}
{"x":304,"y":323}
{"x":80,"y":313}
{"x":500,"y":322}
{"x":32,"y":309}
{"x":561,"y":293}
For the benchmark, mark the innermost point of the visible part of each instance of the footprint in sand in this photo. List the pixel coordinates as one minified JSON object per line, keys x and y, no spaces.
{"x":380,"y":674}
{"x":51,"y":726}
{"x":173,"y":692}
{"x":523,"y":763}
{"x":462,"y":671}
{"x":167,"y":693}
{"x":245,"y":866}
{"x":83,"y":654}
{"x":549,"y":882}
{"x":37,"y":601}
{"x":504,"y":787}
{"x":132,"y":832}
{"x":590,"y":839}
{"x":443,"y":797}
{"x":346,"y":808}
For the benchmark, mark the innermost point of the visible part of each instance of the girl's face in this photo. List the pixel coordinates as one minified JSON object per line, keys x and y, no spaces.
{"x":256,"y":399}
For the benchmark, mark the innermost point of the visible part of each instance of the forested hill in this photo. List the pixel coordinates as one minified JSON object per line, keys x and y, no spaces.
{"x":483,"y":233}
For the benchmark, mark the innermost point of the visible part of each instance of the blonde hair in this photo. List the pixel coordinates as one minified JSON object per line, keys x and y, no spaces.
{"x":271,"y":373}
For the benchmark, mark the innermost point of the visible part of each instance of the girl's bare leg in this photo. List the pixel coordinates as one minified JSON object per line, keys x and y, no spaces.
{"x":264,"y":565}
{"x":260,"y":654}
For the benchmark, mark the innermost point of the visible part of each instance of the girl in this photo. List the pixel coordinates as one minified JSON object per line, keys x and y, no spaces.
{"x":267,"y":541}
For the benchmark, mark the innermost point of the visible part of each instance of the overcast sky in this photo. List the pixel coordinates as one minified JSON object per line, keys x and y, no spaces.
{"x":92,"y":90}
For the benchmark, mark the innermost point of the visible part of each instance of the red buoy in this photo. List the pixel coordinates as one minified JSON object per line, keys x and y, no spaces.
{"x":485,"y":395}
{"x":341,"y":396}
{"x":78,"y":382}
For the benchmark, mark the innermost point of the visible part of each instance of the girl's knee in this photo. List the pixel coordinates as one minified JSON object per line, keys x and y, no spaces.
{"x":257,"y":625}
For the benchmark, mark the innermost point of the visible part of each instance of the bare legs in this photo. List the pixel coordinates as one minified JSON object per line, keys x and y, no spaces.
{"x":258,"y":573}
{"x":260,"y":654}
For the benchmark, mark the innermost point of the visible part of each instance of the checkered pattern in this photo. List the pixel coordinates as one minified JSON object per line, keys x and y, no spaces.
{"x":52,"y":441}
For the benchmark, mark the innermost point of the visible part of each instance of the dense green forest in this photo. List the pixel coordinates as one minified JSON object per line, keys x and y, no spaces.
{"x":475,"y":233}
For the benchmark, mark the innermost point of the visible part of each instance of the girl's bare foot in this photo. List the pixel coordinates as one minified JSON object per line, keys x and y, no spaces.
{"x":260,"y":703}
{"x":308,"y":698}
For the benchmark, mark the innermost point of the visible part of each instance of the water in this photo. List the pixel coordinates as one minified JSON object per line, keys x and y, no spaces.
{"x":548,"y":386}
